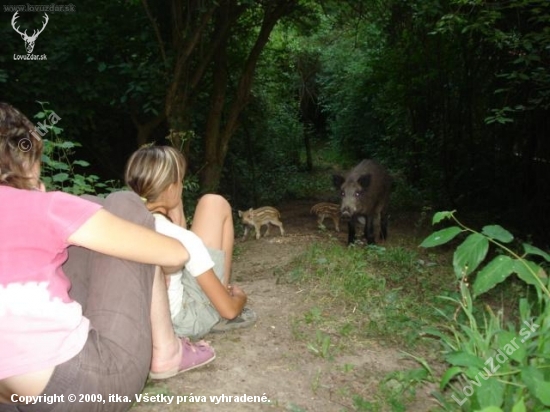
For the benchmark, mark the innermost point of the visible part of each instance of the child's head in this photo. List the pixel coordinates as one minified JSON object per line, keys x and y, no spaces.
{"x":20,"y":149}
{"x":151,"y":169}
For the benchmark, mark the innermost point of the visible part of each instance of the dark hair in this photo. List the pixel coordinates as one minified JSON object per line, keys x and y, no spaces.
{"x":20,"y":148}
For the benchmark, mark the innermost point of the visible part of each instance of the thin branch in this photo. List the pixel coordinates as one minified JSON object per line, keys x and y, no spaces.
{"x":157,"y":31}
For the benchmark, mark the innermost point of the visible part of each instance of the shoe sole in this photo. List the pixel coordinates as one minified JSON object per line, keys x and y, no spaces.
{"x":171,"y":374}
{"x":227,"y":326}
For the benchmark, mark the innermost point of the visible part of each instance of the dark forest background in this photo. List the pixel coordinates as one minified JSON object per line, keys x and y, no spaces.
{"x":452,"y":95}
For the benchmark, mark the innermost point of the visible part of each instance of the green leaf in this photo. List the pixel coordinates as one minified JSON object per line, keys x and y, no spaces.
{"x":60,"y":177}
{"x":54,"y":164}
{"x":532,"y":250}
{"x":495,"y":272}
{"x":464,"y":359}
{"x":498,"y":233}
{"x":528,"y":272}
{"x":82,"y":163}
{"x":534,"y":380}
{"x":433,"y":332}
{"x":519,"y":406}
{"x":101,"y":67}
{"x":439,"y":216}
{"x":441,"y":236}
{"x":524,"y":308}
{"x":490,"y":409}
{"x":448,"y":375}
{"x":490,"y":393}
{"x":470,"y":254}
{"x":516,"y":350}
{"x":67,"y":145}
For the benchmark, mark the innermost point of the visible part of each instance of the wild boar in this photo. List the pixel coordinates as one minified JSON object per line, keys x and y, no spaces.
{"x":365,"y":193}
{"x":258,"y":217}
{"x":324,"y":210}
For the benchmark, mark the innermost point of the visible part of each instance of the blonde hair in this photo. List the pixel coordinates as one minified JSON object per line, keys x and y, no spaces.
{"x":20,"y":148}
{"x":151,"y":169}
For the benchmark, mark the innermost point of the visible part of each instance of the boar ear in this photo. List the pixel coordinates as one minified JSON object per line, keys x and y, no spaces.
{"x":337,"y":181}
{"x":364,"y":181}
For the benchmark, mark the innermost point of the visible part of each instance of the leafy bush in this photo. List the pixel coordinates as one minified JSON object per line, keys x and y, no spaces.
{"x":494,"y":365}
{"x":59,"y":171}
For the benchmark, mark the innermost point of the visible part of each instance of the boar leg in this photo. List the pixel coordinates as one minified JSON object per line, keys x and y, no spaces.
{"x":245,"y":232}
{"x":280,"y":225}
{"x":320,"y":220}
{"x":258,"y":228}
{"x":370,"y":230}
{"x":336,"y":223}
{"x":351,"y":231}
{"x":384,"y":227}
{"x":379,"y":237}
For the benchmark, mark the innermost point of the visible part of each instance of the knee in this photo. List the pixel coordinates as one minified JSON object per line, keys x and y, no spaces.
{"x":215,"y":203}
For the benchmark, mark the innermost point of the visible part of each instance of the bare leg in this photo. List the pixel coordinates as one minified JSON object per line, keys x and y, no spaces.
{"x":166,"y":346}
{"x":213,"y":223}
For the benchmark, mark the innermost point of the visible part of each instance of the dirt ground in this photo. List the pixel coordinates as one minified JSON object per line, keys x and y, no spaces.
{"x":268,"y":360}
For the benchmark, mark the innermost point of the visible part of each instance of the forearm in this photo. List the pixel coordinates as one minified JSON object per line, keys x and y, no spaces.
{"x":111,"y":235}
{"x":236,"y":306}
{"x":228,"y":304}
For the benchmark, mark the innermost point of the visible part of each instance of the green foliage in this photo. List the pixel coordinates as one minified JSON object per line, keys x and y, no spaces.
{"x":321,"y":346}
{"x":525,"y":48}
{"x":494,"y":364}
{"x":59,"y":171}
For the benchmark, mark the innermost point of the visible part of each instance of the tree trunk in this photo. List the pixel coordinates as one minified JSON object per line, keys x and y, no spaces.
{"x":214,"y":151}
{"x":217,"y":141}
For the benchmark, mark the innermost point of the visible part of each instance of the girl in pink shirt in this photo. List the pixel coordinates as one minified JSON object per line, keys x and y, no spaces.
{"x":83,"y":303}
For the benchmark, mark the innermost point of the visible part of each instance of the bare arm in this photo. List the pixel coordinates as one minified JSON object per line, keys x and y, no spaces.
{"x":111,"y":235}
{"x":229,"y":302}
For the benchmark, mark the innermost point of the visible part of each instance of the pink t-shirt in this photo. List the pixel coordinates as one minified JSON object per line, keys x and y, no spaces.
{"x":40,"y":326}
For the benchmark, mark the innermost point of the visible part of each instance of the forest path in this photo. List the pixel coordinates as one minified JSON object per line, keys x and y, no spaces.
{"x":270,"y":359}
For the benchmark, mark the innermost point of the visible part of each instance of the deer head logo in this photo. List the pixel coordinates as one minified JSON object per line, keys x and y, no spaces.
{"x":29,"y":40}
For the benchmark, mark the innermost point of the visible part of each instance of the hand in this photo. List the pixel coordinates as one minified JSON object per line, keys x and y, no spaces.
{"x":235,"y":291}
{"x":238,"y":295}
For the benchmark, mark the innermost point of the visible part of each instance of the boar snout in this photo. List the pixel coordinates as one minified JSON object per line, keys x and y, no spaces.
{"x":346,"y":213}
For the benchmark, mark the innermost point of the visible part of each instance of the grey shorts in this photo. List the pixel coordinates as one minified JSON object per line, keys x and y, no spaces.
{"x":198,"y":316}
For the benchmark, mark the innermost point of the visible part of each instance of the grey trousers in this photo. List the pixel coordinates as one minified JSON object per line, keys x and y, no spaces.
{"x":116,"y":296}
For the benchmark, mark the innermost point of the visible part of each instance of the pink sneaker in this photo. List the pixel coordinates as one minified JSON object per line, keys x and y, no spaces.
{"x":194,"y":355}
